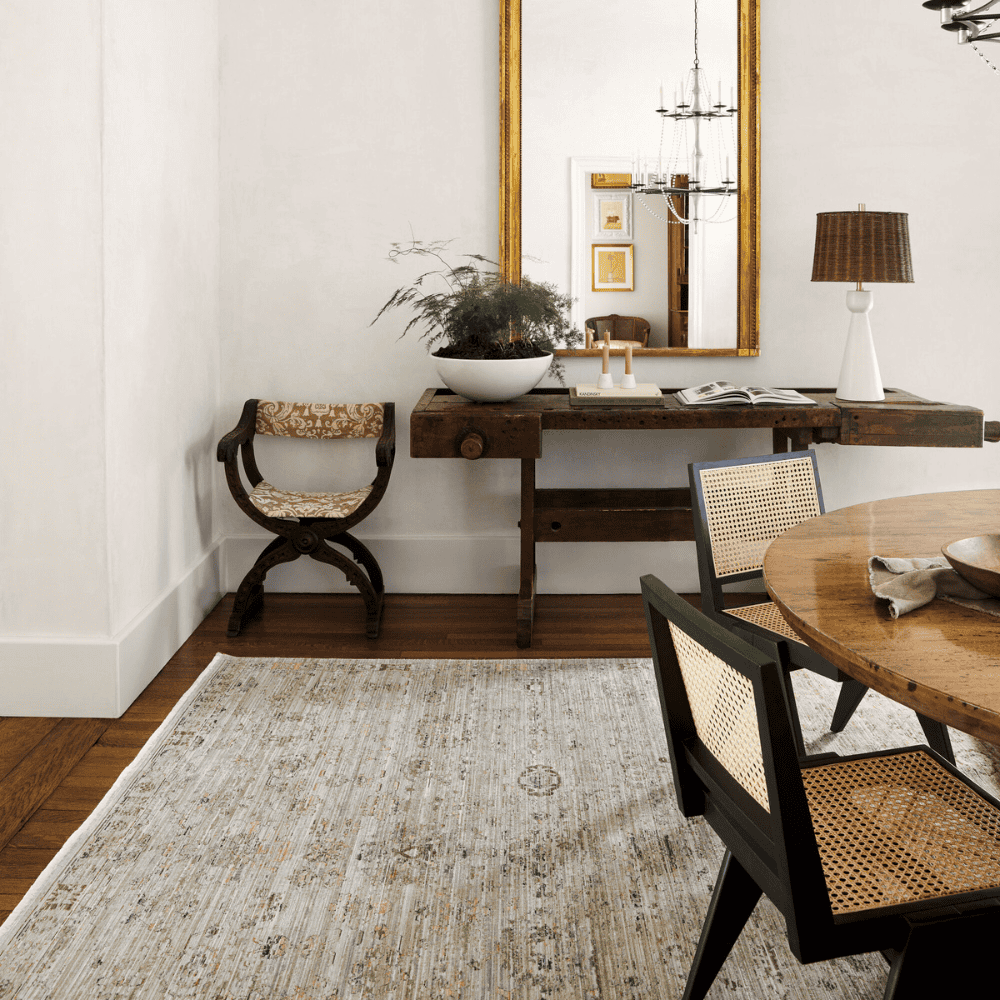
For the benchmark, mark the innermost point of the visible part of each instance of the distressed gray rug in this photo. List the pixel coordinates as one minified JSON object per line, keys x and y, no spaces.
{"x":334,"y":829}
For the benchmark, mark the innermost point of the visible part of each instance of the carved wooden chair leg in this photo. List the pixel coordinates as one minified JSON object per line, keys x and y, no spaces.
{"x":250,"y":596}
{"x":374,"y":602}
{"x":851,"y":693}
{"x":362,"y":554}
{"x":937,"y":737}
{"x":735,"y":896}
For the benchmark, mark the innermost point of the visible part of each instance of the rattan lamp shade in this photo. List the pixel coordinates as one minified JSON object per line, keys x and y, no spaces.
{"x":862,"y":246}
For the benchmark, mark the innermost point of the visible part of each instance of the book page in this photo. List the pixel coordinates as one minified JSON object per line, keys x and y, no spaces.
{"x":708,"y":391}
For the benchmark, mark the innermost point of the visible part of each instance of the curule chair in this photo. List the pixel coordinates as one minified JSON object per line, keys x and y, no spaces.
{"x":308,"y":523}
{"x":892,"y":851}
{"x":741,"y":505}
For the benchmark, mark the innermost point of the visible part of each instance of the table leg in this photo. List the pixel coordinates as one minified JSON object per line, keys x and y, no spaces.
{"x":526,"y":593}
{"x":798,"y":437}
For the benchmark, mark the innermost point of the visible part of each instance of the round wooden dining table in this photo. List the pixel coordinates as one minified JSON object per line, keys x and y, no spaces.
{"x":942,"y":659}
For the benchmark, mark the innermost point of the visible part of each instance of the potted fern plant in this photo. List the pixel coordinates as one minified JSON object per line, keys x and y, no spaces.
{"x":493,"y":340}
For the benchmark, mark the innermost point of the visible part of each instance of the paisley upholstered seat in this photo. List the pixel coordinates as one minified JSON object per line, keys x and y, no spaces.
{"x":270,"y":500}
{"x":309,"y":523}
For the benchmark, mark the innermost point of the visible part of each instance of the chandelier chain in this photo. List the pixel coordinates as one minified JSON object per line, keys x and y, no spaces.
{"x":696,"y":35}
{"x":978,"y":51}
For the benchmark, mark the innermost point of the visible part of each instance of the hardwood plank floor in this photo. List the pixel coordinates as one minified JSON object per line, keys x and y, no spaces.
{"x":70,"y":780}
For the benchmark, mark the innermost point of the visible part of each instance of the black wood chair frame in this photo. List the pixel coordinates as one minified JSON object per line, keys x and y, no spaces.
{"x":940,"y":946}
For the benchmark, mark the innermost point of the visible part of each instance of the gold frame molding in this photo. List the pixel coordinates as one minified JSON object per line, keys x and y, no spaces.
{"x":748,"y":288}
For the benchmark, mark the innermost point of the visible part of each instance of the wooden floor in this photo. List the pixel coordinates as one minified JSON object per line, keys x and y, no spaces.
{"x":54,"y":772}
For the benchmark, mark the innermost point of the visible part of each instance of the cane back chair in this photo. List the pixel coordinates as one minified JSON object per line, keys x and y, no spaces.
{"x":309,"y":523}
{"x":740,"y":506}
{"x":623,"y":330}
{"x":893,"y":851}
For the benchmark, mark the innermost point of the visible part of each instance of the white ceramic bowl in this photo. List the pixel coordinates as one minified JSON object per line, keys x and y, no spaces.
{"x":492,"y":381}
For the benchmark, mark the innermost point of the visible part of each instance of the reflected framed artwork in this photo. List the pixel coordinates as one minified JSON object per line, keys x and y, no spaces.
{"x":613,"y":267}
{"x":613,"y":215}
{"x":611,"y":180}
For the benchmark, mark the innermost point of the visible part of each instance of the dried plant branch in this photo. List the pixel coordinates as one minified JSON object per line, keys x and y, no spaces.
{"x":478,"y":314}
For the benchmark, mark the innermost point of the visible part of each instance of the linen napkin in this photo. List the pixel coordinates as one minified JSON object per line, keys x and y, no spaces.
{"x":908,"y":584}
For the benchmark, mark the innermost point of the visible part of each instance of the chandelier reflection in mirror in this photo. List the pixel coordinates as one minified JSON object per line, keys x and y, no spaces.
{"x":971,"y":25}
{"x":694,"y":180}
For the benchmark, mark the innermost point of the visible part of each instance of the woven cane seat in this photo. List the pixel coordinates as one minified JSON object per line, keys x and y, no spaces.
{"x":898,"y":829}
{"x":282,"y":503}
{"x":766,"y":615}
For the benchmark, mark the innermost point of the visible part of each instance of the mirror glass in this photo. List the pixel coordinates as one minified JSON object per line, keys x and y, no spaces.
{"x":592,"y":76}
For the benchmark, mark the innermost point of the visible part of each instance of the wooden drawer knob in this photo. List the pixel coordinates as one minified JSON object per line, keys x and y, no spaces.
{"x":472,"y":445}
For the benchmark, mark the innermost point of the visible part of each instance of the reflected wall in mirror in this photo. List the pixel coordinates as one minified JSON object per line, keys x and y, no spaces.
{"x":586,"y":80}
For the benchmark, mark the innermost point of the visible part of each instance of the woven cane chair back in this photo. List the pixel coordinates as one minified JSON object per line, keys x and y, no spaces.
{"x":320,"y":420}
{"x":748,"y":504}
{"x":724,"y":711}
{"x":732,"y":749}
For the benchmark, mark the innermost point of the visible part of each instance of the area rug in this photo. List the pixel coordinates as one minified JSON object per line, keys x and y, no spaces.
{"x":407,"y":830}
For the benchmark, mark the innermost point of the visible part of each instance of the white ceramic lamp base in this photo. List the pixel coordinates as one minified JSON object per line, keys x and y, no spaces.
{"x":860,"y":380}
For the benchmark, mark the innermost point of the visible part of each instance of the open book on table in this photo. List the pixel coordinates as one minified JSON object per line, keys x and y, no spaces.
{"x":722,"y":393}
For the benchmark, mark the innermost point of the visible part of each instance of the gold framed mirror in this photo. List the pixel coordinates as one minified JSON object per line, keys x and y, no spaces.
{"x":746,"y":236}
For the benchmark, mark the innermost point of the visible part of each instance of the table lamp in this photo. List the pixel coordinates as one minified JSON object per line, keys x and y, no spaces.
{"x":861,"y":246}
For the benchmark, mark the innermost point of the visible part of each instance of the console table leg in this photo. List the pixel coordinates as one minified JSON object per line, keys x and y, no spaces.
{"x":526,"y":593}
{"x":798,"y":437}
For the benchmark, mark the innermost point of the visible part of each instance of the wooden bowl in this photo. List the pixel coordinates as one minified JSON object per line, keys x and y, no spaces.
{"x":977,"y":561}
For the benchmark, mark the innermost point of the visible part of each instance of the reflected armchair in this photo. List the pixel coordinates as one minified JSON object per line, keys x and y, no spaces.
{"x":623,"y":330}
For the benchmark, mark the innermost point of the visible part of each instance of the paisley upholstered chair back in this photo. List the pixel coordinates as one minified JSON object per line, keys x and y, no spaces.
{"x":320,"y":420}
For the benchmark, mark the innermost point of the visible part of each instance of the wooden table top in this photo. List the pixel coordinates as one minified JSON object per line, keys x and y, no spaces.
{"x":513,"y":429}
{"x":942,"y":659}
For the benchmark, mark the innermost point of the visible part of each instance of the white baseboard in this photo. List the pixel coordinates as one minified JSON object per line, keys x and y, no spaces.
{"x":99,"y":678}
{"x":479,"y":564}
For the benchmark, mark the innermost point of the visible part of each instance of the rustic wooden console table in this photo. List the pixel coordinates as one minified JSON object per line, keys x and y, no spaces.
{"x":443,"y":425}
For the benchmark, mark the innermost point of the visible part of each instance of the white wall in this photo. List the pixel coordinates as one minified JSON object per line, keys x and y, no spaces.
{"x":109,"y":307}
{"x":51,"y":315}
{"x":345,"y":128}
{"x":871,"y":102}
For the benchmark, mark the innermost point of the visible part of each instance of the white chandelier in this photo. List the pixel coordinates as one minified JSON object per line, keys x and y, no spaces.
{"x":971,"y":25}
{"x":708,"y":125}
